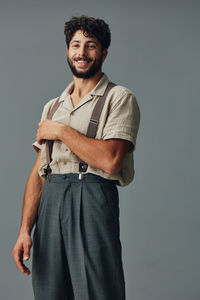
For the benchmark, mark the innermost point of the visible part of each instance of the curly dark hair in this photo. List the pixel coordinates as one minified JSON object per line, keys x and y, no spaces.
{"x":97,"y":28}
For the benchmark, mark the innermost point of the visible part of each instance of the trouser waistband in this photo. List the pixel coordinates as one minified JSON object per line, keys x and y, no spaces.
{"x":74,"y":177}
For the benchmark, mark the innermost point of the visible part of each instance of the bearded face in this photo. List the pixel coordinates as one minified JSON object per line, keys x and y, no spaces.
{"x":85,"y":56}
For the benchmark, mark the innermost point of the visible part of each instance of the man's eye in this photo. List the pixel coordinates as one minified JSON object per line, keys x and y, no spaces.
{"x":74,"y":46}
{"x":91,"y":46}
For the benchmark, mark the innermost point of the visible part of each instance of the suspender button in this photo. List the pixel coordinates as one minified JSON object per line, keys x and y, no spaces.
{"x":83,"y":167}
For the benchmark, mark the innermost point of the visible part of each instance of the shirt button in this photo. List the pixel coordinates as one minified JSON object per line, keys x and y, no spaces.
{"x":65,"y":162}
{"x":66,"y":149}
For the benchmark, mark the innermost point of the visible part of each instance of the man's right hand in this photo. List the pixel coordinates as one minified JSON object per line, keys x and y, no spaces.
{"x":21,"y":251}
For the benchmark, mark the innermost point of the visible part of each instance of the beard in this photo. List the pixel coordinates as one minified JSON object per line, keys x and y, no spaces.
{"x":95,"y":67}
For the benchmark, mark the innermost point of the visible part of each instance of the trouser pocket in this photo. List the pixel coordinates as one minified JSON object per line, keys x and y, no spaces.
{"x":111,"y":196}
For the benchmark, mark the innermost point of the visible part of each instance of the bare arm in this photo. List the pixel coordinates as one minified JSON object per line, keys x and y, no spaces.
{"x":107,"y":155}
{"x":32,"y":195}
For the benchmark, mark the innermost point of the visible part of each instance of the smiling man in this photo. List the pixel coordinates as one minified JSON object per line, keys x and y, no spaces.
{"x":88,"y":66}
{"x":85,"y":142}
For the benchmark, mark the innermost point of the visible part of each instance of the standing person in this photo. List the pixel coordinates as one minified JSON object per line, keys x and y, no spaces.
{"x":71,"y":194}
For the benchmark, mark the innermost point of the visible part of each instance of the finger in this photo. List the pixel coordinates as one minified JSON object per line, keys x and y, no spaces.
{"x":23,"y":268}
{"x":38,"y":138}
{"x":26,"y":255}
{"x":19,"y":263}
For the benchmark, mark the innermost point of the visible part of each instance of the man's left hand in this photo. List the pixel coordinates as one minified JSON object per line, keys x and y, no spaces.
{"x":48,"y":130}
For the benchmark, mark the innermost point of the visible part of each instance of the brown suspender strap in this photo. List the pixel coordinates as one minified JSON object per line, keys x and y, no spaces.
{"x":53,"y":109}
{"x":94,"y":120}
{"x":91,"y":131}
{"x":49,"y":143}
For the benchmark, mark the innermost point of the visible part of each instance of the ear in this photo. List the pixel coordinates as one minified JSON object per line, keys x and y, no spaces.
{"x":105,"y":53}
{"x":67,"y":50}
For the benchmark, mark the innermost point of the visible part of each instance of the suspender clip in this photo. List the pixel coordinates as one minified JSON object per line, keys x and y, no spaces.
{"x":82,"y":168}
{"x":47,"y":172}
{"x":80,"y":176}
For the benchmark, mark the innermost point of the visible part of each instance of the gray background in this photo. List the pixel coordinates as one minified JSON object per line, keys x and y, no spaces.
{"x":155,"y":52}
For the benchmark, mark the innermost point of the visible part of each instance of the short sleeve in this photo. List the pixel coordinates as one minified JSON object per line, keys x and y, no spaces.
{"x":123,"y":118}
{"x":36,"y":146}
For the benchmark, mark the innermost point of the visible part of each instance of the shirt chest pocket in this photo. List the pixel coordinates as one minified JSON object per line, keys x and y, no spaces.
{"x":80,"y":119}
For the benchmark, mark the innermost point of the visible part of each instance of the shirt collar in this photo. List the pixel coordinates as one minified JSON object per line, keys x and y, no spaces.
{"x":98,"y":90}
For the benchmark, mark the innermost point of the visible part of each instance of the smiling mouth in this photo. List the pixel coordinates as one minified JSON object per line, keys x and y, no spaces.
{"x":82,"y":63}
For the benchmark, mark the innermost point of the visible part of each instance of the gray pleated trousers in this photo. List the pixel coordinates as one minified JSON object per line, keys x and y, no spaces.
{"x":76,"y":240}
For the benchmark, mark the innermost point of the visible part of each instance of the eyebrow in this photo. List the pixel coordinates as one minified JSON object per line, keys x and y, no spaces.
{"x":86,"y":42}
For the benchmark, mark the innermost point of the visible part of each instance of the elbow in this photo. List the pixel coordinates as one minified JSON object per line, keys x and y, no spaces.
{"x":112,"y":166}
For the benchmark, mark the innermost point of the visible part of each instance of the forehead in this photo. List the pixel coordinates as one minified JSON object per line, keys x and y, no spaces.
{"x":79,"y":36}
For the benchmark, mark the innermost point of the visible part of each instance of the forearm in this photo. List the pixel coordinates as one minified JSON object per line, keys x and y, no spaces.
{"x":101,"y":154}
{"x":96,"y":153}
{"x":32,"y":195}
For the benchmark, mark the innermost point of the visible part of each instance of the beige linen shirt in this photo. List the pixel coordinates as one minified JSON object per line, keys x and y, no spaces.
{"x":119,"y":118}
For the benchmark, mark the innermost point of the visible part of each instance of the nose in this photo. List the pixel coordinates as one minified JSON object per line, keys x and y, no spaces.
{"x":82,"y":50}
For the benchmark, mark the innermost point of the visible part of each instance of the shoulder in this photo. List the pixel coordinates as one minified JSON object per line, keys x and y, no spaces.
{"x":122,"y":89}
{"x":124,"y":100}
{"x":121,"y":93}
{"x":47,"y":106}
{"x":50,"y":103}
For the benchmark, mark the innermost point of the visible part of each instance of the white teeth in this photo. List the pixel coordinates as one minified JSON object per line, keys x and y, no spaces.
{"x":82,"y":60}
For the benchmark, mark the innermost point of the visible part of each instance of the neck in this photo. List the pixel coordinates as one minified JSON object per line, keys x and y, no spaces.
{"x":83,"y":86}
